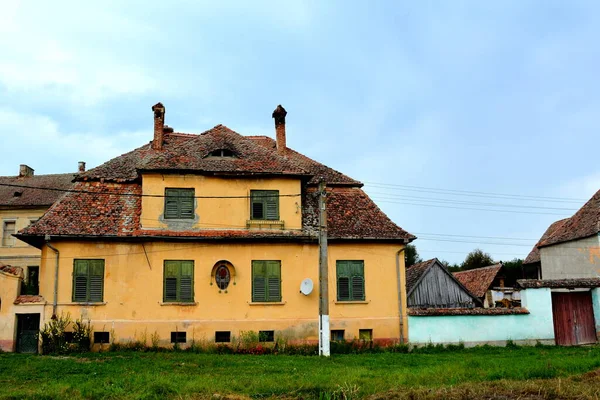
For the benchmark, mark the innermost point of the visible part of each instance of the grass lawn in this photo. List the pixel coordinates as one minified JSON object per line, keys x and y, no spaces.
{"x":523,"y":372}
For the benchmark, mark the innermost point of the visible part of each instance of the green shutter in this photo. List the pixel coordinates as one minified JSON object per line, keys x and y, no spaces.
{"x":259,"y":281}
{"x":178,"y":281}
{"x":96,"y":279}
{"x":264,"y":204}
{"x":179,"y":204}
{"x":350,"y":280}
{"x":88,"y":280}
{"x":272,"y":205}
{"x":273,"y":280}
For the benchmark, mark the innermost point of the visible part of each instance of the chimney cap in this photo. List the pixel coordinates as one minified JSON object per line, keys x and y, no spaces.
{"x":279,"y":115}
{"x":158,"y":105}
{"x":81,"y":166}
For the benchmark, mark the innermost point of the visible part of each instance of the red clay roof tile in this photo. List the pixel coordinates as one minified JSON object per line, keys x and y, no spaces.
{"x":478,"y":280}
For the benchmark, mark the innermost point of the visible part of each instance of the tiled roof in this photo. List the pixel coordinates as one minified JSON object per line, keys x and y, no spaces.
{"x":99,"y":209}
{"x":534,"y":255}
{"x":584,"y":223}
{"x":14,"y":197}
{"x":9,"y":269}
{"x":112,"y":206}
{"x":478,"y":280}
{"x":415,"y":271}
{"x":559,"y":283}
{"x":351,"y":214}
{"x":188,"y":152}
{"x":428,"y":312}
{"x":318,"y":170}
{"x":25,"y":299}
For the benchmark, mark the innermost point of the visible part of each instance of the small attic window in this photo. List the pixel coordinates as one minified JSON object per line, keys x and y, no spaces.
{"x":17,"y":194}
{"x":221,"y":153}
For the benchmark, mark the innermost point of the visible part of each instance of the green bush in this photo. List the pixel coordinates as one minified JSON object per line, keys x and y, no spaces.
{"x":52,"y":335}
{"x":82,"y":336}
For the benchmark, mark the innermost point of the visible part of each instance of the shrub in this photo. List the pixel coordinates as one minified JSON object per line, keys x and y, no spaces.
{"x":82,"y":336}
{"x":53,"y":335}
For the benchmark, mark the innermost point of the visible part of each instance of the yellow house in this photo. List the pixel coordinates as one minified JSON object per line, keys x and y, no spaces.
{"x":20,"y":205}
{"x":201,"y":237}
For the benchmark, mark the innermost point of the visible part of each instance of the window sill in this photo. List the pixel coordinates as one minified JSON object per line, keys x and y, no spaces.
{"x":179,"y":303}
{"x":265,"y":223}
{"x":353,"y":302}
{"x":266,"y":303}
{"x":82,"y":303}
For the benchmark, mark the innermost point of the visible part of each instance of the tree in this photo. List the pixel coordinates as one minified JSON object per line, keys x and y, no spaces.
{"x":450,"y":267}
{"x":411,"y":255}
{"x":476,"y":259}
{"x":513,"y":270}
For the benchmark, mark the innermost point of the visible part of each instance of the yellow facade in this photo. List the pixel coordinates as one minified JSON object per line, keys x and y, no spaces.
{"x":217,"y":213}
{"x":133,"y":304}
{"x":18,"y":253}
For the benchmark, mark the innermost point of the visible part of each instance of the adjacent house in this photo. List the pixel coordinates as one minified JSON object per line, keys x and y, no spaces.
{"x":430,"y":285}
{"x":567,"y":257}
{"x":570,"y":248}
{"x":487,"y":284}
{"x":20,"y":205}
{"x":202,"y":236}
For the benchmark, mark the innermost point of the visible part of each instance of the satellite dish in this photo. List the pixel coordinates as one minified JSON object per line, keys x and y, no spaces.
{"x":306,"y":286}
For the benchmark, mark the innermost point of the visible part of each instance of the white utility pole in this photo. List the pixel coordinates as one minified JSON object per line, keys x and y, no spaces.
{"x":324,"y":333}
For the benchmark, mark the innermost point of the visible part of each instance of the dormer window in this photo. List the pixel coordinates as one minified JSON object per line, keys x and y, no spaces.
{"x":221,"y":153}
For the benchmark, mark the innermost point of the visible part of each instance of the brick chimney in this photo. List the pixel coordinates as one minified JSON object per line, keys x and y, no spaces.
{"x":25,"y":171}
{"x":279,"y":115}
{"x":159,"y":126}
{"x":81,"y":166}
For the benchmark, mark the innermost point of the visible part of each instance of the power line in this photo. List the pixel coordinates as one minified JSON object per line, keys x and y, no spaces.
{"x":470,"y":208}
{"x":468,"y":236}
{"x":452,"y":201}
{"x":473,"y":242}
{"x":143,"y":195}
{"x":457,"y":192}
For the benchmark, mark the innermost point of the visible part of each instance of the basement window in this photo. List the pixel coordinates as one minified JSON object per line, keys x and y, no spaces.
{"x":221,"y":153}
{"x":101,"y":337}
{"x":222,"y":336}
{"x":178,"y":337}
{"x":365,"y":334}
{"x":337,"y":335}
{"x":266,"y":336}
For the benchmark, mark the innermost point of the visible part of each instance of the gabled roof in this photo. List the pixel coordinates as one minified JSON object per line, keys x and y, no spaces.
{"x":23,"y":197}
{"x":584,"y":223}
{"x":106,"y":202}
{"x":416,"y":272}
{"x":534,"y":255}
{"x":478,"y":280}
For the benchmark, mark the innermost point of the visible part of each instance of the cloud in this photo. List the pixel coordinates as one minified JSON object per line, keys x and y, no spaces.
{"x":37,"y":140}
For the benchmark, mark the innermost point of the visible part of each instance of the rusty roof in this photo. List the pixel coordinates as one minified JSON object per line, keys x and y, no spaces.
{"x":14,"y":192}
{"x":106,"y":200}
{"x":584,"y":223}
{"x":478,"y":280}
{"x":534,"y":255}
{"x":559,"y":283}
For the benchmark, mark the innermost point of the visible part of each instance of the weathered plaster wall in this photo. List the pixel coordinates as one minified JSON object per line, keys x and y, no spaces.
{"x":222,"y":213}
{"x":575,"y":259}
{"x":133,"y":290}
{"x":9,"y":287}
{"x":20,"y":254}
{"x":596,"y":305}
{"x":493,"y":329}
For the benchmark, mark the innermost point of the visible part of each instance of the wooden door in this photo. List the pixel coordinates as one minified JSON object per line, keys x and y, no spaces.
{"x":28,"y":329}
{"x":573,"y":316}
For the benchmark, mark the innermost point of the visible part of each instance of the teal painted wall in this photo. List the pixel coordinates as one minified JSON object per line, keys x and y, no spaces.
{"x":596,"y":304}
{"x":472,"y":329}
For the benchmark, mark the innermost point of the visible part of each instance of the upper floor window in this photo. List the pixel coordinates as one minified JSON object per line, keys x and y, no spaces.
{"x":350,"y":280}
{"x":179,"y":203}
{"x":8,"y":229}
{"x":264,"y":204}
{"x":88,"y":281}
{"x":178,"y":281}
{"x":221,"y":153}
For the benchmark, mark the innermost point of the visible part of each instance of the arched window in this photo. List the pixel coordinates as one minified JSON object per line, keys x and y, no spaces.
{"x":222,"y":274}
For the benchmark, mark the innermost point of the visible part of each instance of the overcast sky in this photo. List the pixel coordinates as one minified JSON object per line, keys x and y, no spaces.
{"x":481,"y":96}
